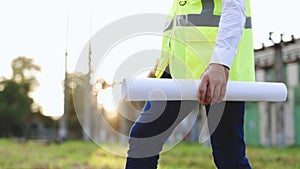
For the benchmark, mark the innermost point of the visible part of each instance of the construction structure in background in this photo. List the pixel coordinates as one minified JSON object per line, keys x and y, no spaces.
{"x":276,"y":124}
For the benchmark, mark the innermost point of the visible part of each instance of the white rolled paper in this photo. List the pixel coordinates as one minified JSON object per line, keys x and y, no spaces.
{"x":182,"y":89}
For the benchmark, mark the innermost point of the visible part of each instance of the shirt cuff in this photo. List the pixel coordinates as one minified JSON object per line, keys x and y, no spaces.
{"x":222,"y":56}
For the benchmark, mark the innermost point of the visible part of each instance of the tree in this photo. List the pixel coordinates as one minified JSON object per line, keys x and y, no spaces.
{"x":17,"y":108}
{"x":24,"y":71}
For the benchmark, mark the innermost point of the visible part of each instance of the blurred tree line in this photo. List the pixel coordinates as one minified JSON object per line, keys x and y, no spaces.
{"x":19,"y":114}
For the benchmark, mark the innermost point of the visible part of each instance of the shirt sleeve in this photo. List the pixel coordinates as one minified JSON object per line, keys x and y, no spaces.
{"x":231,"y":26}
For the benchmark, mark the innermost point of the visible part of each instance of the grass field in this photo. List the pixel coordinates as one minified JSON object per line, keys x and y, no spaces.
{"x":87,"y":155}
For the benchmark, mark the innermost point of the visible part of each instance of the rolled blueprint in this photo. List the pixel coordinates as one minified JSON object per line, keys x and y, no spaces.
{"x":182,"y":89}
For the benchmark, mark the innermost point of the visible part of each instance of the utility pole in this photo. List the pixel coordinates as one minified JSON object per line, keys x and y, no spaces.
{"x":88,"y":89}
{"x":279,"y":77}
{"x":87,"y":101}
{"x":63,"y":129}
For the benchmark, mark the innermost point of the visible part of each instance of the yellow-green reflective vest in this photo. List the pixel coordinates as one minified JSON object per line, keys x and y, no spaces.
{"x":189,"y":39}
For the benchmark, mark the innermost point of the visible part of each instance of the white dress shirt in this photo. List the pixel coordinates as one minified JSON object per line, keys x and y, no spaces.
{"x":231,"y":26}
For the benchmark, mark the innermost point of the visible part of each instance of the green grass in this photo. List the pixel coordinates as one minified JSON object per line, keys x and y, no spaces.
{"x":87,"y":155}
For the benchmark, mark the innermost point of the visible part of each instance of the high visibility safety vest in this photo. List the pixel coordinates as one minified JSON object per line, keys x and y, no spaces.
{"x":189,"y":39}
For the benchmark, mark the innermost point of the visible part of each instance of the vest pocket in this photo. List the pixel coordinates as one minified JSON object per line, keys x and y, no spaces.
{"x":189,"y":7}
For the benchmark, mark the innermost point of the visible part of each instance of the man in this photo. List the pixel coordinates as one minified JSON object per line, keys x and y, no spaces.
{"x":195,"y":25}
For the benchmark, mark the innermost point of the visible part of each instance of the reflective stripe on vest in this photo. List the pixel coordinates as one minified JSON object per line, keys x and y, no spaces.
{"x":201,"y":20}
{"x":188,"y":43}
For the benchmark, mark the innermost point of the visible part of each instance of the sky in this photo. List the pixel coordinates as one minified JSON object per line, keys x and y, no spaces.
{"x":43,"y":30}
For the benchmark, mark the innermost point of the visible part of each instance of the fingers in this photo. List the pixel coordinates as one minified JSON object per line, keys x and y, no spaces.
{"x":219,"y":93}
{"x":203,"y":88}
{"x":209,"y":93}
{"x":206,"y":90}
{"x":222,"y":94}
{"x":216,"y":94}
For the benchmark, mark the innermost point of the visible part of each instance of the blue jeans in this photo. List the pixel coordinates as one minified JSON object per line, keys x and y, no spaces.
{"x":159,"y":119}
